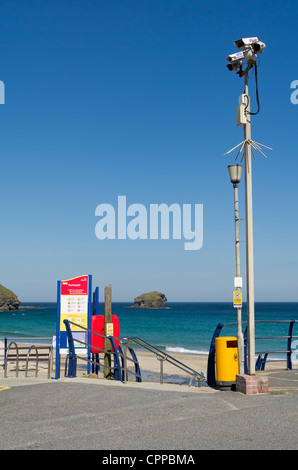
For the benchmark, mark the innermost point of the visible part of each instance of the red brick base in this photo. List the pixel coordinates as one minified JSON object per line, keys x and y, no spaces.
{"x":251,"y":384}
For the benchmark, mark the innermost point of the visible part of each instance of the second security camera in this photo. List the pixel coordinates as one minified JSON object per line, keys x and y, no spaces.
{"x":233,"y":57}
{"x":250,"y":43}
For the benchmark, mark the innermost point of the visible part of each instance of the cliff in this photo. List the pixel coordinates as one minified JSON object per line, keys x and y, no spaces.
{"x":8,"y":300}
{"x":150,"y":300}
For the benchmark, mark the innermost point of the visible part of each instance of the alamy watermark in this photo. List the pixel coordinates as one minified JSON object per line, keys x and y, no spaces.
{"x":294,"y":94}
{"x":160,"y":221}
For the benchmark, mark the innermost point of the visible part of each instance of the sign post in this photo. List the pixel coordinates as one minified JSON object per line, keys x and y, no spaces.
{"x":73,"y":304}
{"x":108,"y":320}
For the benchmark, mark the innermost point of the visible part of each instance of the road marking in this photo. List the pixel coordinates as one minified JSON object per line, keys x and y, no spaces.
{"x":282,"y":388}
{"x":289,"y":380}
{"x":4,"y":388}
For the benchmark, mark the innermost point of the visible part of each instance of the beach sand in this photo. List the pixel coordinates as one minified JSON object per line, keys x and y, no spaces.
{"x":149,"y":362}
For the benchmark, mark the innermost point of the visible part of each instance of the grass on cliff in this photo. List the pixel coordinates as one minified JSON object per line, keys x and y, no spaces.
{"x":5,"y":291}
{"x":150,"y":295}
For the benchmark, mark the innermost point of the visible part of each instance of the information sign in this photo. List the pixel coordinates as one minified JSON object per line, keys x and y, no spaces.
{"x":237,"y":298}
{"x":73,"y":304}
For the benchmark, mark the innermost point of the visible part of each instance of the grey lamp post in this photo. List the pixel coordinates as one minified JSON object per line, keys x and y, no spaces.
{"x":235,"y":176}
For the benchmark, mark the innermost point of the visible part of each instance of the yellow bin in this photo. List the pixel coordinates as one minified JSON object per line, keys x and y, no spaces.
{"x":226,"y":361}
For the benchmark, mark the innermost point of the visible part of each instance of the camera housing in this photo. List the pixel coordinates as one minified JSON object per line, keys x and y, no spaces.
{"x":259,"y":46}
{"x":250,"y":56}
{"x":234,"y":66}
{"x":248,"y":50}
{"x":245,"y":43}
{"x":237,"y":56}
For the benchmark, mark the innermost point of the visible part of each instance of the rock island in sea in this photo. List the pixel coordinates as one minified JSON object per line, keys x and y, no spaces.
{"x":8,"y":300}
{"x":153,"y":299}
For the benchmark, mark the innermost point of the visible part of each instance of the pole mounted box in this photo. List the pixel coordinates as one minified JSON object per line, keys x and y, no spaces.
{"x":241,"y":116}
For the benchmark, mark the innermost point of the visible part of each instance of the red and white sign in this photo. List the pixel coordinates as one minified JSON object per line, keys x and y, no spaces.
{"x":74,"y":302}
{"x":76,"y":286}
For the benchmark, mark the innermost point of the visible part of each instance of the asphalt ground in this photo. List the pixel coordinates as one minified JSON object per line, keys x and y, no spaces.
{"x":92,"y":414}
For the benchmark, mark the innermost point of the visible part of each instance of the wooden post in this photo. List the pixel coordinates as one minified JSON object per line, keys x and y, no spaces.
{"x":108,"y":318}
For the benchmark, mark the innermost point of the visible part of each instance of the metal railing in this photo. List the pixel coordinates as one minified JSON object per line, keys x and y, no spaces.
{"x":122,"y":351}
{"x":262,"y":354}
{"x":72,"y":357}
{"x":162,"y":357}
{"x":27,"y":360}
{"x":121,"y":371}
{"x":261,"y":361}
{"x":6,"y":357}
{"x":19,"y":357}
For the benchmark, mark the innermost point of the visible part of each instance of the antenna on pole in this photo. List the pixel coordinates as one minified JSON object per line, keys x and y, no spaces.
{"x":253,"y":144}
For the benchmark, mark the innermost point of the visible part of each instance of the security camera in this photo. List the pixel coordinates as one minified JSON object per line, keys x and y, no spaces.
{"x":245,"y":43}
{"x":250,"y":56}
{"x":233,"y":57}
{"x":258,"y":46}
{"x":234,"y":66}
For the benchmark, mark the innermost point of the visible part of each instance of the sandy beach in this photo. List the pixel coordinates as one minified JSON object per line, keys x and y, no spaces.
{"x":197,"y":362}
{"x":149,"y":362}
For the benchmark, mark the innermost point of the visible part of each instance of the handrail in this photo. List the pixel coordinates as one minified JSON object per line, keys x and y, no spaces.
{"x":133,"y":359}
{"x":260,"y":362}
{"x":27,"y":360}
{"x":73,"y":356}
{"x":17,"y":360}
{"x":162,"y":356}
{"x":50,"y":359}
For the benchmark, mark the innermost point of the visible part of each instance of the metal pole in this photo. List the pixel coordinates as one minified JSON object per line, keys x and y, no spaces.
{"x":107,"y":372}
{"x":57,"y":366}
{"x":249,"y":240}
{"x":237,"y":245}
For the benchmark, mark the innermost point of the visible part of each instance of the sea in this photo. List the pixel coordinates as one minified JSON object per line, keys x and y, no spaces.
{"x":182,"y":327}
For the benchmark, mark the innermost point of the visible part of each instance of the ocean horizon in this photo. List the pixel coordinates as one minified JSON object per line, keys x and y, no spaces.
{"x":184,"y":327}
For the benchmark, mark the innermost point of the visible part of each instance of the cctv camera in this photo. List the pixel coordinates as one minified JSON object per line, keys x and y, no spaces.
{"x":259,"y":46}
{"x":233,"y":57}
{"x":250,"y":56}
{"x":245,"y":43}
{"x":234,"y":66}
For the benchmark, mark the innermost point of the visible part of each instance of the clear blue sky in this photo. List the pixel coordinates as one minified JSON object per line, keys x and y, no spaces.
{"x":108,"y":98}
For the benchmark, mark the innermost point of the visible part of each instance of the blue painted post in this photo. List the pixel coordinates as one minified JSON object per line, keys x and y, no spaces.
{"x":5,"y":349}
{"x":95,"y":310}
{"x":289,"y":353}
{"x":96,"y":301}
{"x":211,"y":380}
{"x":245,"y":352}
{"x":72,"y":363}
{"x":57,"y":370}
{"x":117,"y":368}
{"x":89,"y":321}
{"x":137,"y":366}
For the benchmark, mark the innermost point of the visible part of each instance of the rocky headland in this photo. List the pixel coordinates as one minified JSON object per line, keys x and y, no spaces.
{"x":8,"y":300}
{"x":153,"y":299}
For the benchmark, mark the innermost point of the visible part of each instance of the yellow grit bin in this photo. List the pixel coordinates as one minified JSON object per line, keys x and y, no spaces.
{"x":226,"y":360}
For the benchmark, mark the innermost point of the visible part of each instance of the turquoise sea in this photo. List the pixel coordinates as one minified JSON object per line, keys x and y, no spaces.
{"x":181,"y":327}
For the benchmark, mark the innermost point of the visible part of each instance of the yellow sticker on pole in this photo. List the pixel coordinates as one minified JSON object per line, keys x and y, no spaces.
{"x":109,"y":329}
{"x":237,"y":298}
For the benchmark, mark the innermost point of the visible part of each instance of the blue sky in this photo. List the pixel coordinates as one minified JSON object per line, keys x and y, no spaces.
{"x":108,"y":98}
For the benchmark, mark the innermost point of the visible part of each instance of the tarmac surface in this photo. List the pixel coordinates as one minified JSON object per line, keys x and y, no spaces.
{"x":92,"y":414}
